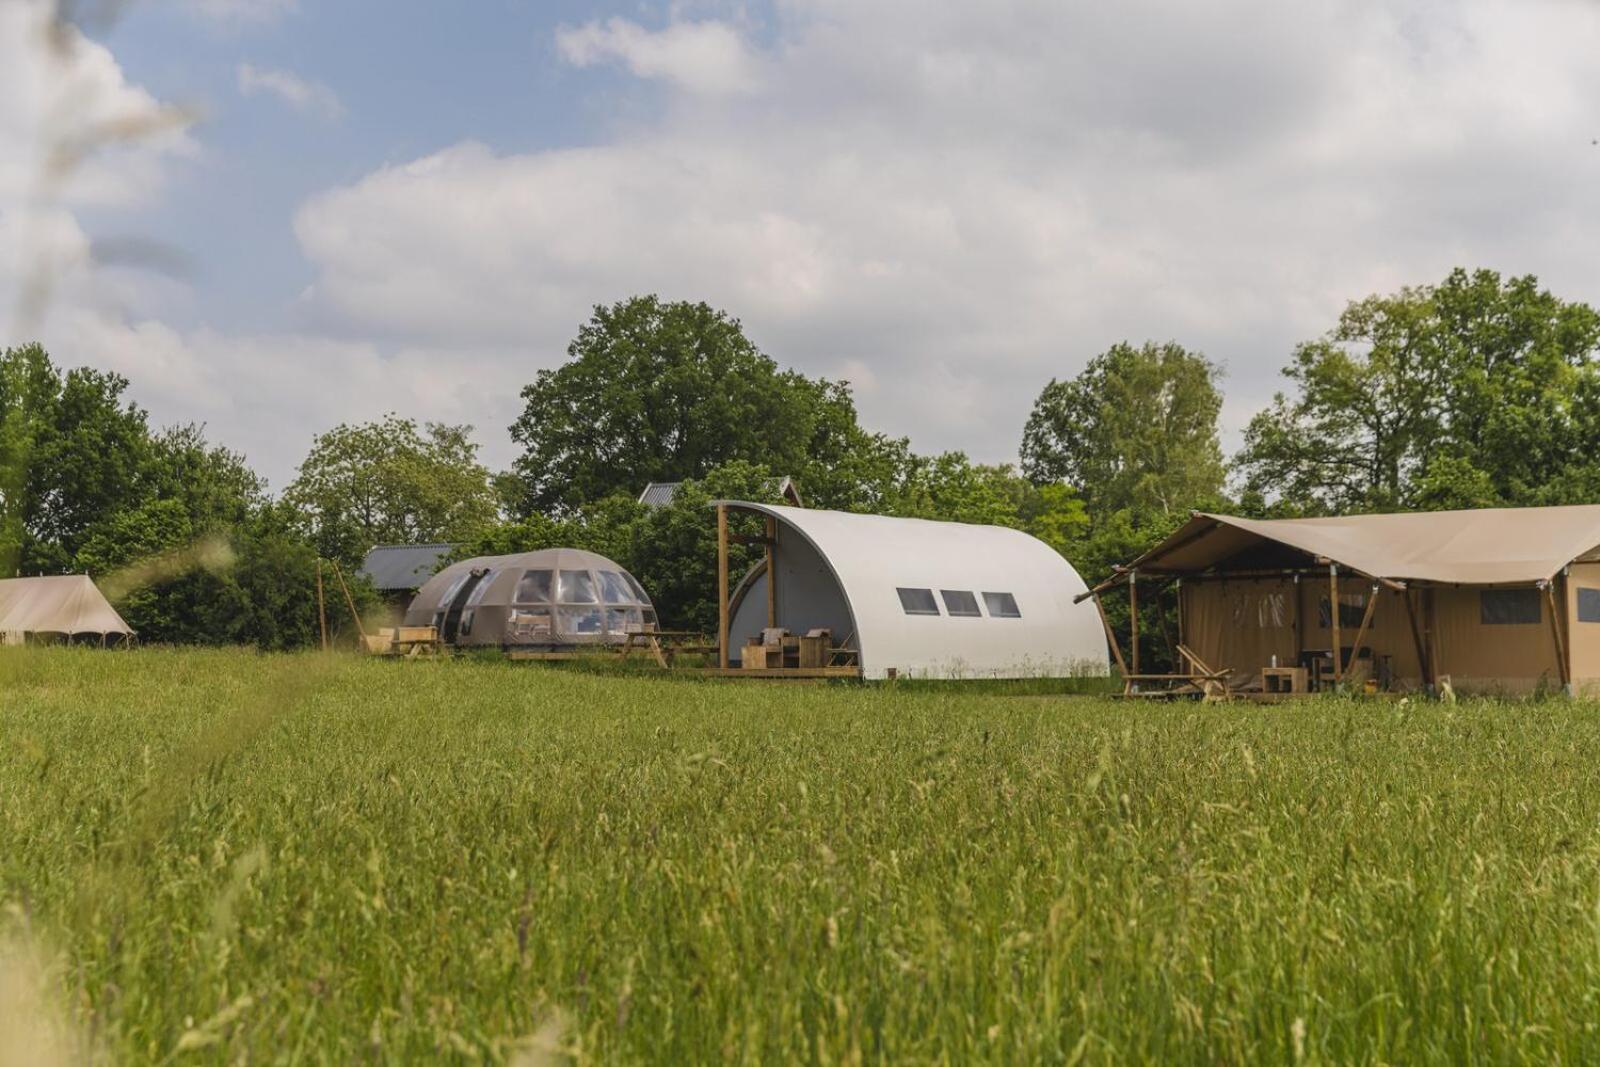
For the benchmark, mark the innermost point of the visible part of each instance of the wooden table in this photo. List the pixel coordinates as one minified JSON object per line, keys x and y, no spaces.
{"x":666,"y":645}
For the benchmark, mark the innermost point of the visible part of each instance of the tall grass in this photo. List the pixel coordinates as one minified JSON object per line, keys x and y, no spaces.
{"x":323,"y":860}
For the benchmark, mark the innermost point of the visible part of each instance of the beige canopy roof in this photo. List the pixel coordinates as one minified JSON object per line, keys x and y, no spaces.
{"x":1482,"y":547}
{"x":59,"y":604}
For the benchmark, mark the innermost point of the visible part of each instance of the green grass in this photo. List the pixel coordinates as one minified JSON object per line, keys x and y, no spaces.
{"x":302,"y":859}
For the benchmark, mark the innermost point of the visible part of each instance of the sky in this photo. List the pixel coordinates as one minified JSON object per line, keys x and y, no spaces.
{"x":273,"y":216}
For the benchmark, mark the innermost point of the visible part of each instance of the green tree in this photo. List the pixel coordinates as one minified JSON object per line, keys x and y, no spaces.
{"x":72,"y":451}
{"x":656,"y":391}
{"x":1474,"y":392}
{"x":1136,"y":429}
{"x":391,"y":482}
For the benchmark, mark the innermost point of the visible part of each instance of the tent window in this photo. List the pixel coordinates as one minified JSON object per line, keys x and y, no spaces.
{"x":1352,"y":609}
{"x":638,"y":590}
{"x":1002,"y":606}
{"x":613,"y":589}
{"x":918,"y":601}
{"x":1508,"y":607}
{"x":623,"y":621}
{"x":526,"y":624}
{"x":534,"y":588}
{"x":577,"y":587}
{"x":1588,"y":604}
{"x":578,"y":620}
{"x":961,"y":603}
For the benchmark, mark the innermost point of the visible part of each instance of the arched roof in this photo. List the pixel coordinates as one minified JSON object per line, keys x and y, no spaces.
{"x":577,"y":559}
{"x":873,"y":556}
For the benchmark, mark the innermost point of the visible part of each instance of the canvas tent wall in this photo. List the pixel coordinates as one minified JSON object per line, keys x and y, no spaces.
{"x":921,"y":598}
{"x":1497,"y":600}
{"x":68,"y":605}
{"x":550,"y":599}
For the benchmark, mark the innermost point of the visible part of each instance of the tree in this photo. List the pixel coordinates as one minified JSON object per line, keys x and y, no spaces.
{"x":71,"y":452}
{"x":655,"y":391}
{"x":1137,"y":429}
{"x":1471,"y":393}
{"x":391,"y":482}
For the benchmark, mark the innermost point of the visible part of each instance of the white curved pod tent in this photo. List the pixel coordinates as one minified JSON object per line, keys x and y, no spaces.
{"x":921,"y":598}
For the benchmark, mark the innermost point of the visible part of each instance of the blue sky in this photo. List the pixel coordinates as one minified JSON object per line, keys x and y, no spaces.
{"x":319,"y":212}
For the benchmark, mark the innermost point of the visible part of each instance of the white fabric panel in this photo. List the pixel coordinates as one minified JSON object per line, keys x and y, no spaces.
{"x":57,"y":604}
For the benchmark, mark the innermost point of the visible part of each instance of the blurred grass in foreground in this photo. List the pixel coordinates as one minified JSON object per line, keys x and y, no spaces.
{"x":218,"y":855}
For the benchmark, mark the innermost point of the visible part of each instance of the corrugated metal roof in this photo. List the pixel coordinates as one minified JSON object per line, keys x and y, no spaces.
{"x":395,"y":567}
{"x":659,"y":494}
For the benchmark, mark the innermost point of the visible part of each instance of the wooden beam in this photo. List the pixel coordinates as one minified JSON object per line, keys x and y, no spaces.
{"x":1423,"y":667}
{"x":772,"y":572}
{"x":1366,"y":620}
{"x":322,"y":607}
{"x":350,"y":602}
{"x":1133,"y":620}
{"x":1555,"y":631}
{"x":722,"y":585}
{"x":1333,"y":623}
{"x":1111,"y":637}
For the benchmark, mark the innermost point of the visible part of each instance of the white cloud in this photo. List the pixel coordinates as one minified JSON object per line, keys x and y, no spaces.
{"x":704,"y":57}
{"x":947,"y":208}
{"x":299,"y":93}
{"x":970,"y":201}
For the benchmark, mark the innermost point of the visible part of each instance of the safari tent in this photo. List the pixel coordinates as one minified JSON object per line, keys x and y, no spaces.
{"x":909,"y":597}
{"x":67,"y":606}
{"x":555,"y":598}
{"x":1501,"y":600}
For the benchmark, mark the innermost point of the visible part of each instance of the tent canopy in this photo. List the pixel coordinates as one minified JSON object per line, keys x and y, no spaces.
{"x":57,"y":604}
{"x":1488,"y":546}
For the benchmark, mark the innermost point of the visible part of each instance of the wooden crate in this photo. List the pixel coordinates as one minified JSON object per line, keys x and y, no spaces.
{"x":814,"y":649}
{"x":758,"y":657}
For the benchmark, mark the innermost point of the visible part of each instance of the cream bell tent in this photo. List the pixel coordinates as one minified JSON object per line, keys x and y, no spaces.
{"x":67,"y":605}
{"x":1494,"y":600}
{"x":919,"y":598}
{"x":551,"y":599}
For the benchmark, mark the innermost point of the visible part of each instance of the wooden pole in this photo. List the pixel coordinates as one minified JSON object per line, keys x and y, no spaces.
{"x":1423,"y":667}
{"x":722,"y":585}
{"x":322,"y":607}
{"x":350,"y":602}
{"x":1133,"y":620}
{"x":772,"y":573}
{"x":1555,"y":631}
{"x":1366,"y":620}
{"x":1111,"y":637}
{"x":1181,"y":634}
{"x":1333,"y":622}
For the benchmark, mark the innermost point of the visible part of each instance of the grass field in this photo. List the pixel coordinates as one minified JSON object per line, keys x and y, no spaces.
{"x":215,"y":856}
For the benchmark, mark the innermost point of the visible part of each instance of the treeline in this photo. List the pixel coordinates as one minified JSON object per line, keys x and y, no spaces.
{"x":1478,"y":391}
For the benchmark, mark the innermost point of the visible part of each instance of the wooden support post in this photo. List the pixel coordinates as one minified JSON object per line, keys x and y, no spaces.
{"x":722,"y":585}
{"x":1366,"y":620}
{"x":1111,"y":637}
{"x":772,"y":573}
{"x":1333,"y":622}
{"x":350,"y":602}
{"x":1133,"y":620}
{"x":1179,"y":585}
{"x":1423,"y":666}
{"x":322,"y":607}
{"x":1555,"y":631}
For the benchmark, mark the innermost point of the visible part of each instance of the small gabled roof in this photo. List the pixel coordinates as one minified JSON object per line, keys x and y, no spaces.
{"x":660,"y":494}
{"x":396,"y":567}
{"x":1486,"y":546}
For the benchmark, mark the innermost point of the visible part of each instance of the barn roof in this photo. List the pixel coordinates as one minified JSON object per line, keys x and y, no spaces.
{"x":1485,"y":546}
{"x":394,"y":567}
{"x":57,"y":604}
